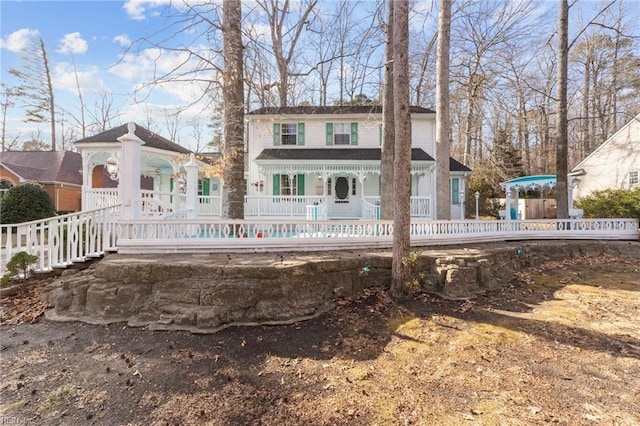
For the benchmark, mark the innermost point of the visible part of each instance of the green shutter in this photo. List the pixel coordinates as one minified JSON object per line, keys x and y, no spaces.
{"x":205,"y":186}
{"x":380,"y":133}
{"x":276,"y":134}
{"x":276,"y":184}
{"x":170,"y":184}
{"x":300,"y":182}
{"x":329,"y":133}
{"x":300,"y":133}
{"x":455,"y":189}
{"x":354,"y":133}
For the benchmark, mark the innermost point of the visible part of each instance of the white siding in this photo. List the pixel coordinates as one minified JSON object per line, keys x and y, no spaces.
{"x":608,"y":167}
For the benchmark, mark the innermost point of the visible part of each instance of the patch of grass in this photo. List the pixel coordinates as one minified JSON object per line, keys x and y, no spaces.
{"x":56,"y":398}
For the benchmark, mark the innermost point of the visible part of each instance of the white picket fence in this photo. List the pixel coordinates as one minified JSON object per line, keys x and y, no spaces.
{"x":63,"y":240}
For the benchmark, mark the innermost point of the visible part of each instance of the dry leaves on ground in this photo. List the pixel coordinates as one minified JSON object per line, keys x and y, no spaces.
{"x":24,"y":306}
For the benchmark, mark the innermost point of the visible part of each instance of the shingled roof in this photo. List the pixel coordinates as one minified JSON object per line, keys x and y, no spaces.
{"x":150,"y":139}
{"x":44,"y":166}
{"x":351,"y":154}
{"x":319,"y":110}
{"x":332,"y":154}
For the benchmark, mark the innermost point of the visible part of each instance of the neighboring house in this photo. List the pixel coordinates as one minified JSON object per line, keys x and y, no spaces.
{"x":613,"y":165}
{"x":334,"y":152}
{"x":59,"y":172}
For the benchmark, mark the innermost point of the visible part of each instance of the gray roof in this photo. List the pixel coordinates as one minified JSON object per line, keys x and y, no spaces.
{"x":44,"y":166}
{"x":354,"y":154}
{"x":150,"y":139}
{"x":317,"y":110}
{"x":332,"y":154}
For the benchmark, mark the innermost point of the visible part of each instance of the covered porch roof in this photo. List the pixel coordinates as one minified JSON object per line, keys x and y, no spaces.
{"x":529,"y":182}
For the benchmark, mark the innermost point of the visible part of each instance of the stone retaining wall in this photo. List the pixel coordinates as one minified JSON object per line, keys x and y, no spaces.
{"x":204,"y":293}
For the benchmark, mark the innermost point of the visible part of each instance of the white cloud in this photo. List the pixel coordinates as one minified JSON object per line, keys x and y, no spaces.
{"x":136,"y":8}
{"x":73,"y":43}
{"x":64,"y":78}
{"x":18,"y":40}
{"x":123,"y":40}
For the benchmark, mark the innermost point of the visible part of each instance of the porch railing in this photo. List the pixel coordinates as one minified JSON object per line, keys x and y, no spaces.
{"x":419,"y":207}
{"x":371,"y":208}
{"x":61,"y":240}
{"x":264,"y":235}
{"x":279,"y":205}
{"x":318,"y":211}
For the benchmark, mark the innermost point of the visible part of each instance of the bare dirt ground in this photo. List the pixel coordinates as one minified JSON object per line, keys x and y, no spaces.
{"x":561,"y":345}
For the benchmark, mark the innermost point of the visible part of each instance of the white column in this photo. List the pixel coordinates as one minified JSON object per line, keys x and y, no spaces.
{"x":507,"y":214}
{"x":129,"y":174}
{"x":86,"y":181}
{"x":192,"y":188}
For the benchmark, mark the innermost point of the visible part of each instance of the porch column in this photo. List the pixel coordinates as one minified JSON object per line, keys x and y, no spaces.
{"x":192,"y":188}
{"x":129,"y":174}
{"x":86,"y":182}
{"x":507,"y":214}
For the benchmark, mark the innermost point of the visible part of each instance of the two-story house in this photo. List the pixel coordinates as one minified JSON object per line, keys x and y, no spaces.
{"x":333,"y":153}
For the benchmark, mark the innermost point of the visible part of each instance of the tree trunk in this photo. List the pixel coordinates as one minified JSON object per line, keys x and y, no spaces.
{"x":388,"y":131}
{"x":562,"y":193}
{"x":443,"y":122}
{"x":233,"y":173}
{"x":400,"y":268}
{"x":52,"y":104}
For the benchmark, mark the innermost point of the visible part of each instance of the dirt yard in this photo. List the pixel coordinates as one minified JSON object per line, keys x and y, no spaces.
{"x":561,"y":345}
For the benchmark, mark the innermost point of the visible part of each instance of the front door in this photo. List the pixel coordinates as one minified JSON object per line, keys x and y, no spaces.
{"x":344,"y":200}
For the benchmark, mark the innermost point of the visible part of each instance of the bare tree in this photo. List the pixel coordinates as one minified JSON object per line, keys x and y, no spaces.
{"x":388,"y":126}
{"x":285,"y":35}
{"x":36,"y":87}
{"x":6,"y":102}
{"x":401,"y":268}
{"x":562,"y":202}
{"x":233,"y":91}
{"x":443,"y":121}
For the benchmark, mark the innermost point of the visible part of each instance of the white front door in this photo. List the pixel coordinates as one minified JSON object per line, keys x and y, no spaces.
{"x":344,"y":202}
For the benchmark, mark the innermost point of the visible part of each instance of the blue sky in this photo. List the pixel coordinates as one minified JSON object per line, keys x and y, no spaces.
{"x":94,"y":34}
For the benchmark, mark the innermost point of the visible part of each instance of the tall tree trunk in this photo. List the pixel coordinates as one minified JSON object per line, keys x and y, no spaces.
{"x":443,"y":121}
{"x":562,"y":193}
{"x":584,"y":146}
{"x":400,"y":268}
{"x":52,"y":104}
{"x":234,"y":186}
{"x":388,"y":130}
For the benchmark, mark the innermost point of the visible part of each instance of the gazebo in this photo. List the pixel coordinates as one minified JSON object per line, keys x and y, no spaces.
{"x":512,"y":190}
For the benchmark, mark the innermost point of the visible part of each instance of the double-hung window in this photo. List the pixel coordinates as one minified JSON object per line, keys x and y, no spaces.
{"x":634,"y":178}
{"x":288,"y":134}
{"x":285,"y":185}
{"x":342,"y":133}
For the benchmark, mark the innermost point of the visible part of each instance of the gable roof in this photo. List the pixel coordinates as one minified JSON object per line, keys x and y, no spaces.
{"x":610,"y":140}
{"x":150,"y":139}
{"x":44,"y":166}
{"x":342,"y":109}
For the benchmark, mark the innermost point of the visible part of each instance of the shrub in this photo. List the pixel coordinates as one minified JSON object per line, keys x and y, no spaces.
{"x":623,"y":203}
{"x":24,"y":203}
{"x":20,"y":263}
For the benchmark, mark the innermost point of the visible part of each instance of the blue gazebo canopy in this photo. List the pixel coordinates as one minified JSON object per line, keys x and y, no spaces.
{"x":530,"y":182}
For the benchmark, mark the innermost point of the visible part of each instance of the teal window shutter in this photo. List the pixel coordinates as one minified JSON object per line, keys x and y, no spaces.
{"x":329,"y":133}
{"x":455,"y":191}
{"x":276,"y":184}
{"x":170,"y":184}
{"x":300,"y":183}
{"x":354,"y":133}
{"x":380,"y":133}
{"x":300,"y":133}
{"x":205,"y":186}
{"x":276,"y":134}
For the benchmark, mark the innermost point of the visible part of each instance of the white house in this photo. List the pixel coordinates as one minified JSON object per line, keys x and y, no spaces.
{"x":306,"y":162}
{"x":332,"y":154}
{"x":613,"y":165}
